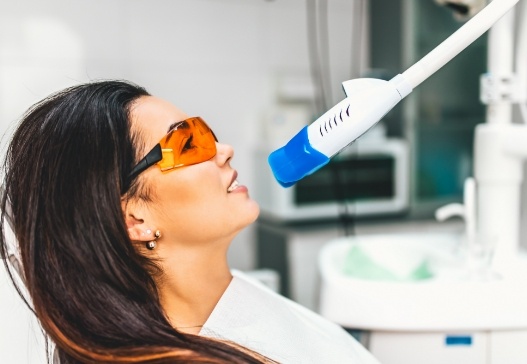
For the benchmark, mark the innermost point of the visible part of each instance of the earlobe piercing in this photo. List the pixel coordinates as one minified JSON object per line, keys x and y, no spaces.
{"x":151,"y":245}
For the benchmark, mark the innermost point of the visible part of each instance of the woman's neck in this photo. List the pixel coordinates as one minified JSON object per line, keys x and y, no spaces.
{"x":193,"y":281}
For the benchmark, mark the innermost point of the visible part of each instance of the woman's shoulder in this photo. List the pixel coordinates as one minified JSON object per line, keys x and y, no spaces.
{"x":247,"y":284}
{"x":251,"y":314}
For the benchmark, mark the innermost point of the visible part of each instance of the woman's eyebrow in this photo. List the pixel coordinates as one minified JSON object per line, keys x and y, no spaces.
{"x":175,"y":125}
{"x":172,"y":126}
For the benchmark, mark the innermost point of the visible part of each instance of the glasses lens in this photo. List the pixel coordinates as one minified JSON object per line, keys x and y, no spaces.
{"x":189,"y":142}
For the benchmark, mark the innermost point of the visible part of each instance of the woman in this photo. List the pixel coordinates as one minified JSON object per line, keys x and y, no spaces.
{"x":124,"y":208}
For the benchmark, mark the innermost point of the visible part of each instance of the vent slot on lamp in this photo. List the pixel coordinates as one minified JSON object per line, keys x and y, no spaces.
{"x":333,"y":120}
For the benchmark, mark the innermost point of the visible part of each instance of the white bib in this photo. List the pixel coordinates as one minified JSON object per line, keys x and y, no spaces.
{"x":257,"y":318}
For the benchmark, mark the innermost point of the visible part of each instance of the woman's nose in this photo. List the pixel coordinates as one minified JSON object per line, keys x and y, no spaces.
{"x":224,"y":153}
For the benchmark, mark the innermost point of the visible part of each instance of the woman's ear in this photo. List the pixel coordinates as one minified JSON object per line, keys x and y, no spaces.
{"x":137,"y":228}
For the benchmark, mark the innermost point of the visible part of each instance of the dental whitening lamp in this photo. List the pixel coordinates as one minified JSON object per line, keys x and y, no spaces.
{"x":368,"y":100}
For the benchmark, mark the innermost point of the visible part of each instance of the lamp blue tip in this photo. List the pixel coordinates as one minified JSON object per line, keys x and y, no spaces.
{"x":296,"y":160}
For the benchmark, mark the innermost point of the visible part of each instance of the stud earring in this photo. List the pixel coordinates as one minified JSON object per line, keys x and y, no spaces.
{"x":151,"y":245}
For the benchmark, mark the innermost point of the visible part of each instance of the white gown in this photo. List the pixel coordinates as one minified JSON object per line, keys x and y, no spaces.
{"x":257,"y":318}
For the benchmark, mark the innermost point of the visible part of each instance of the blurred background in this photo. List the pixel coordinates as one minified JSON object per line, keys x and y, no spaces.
{"x":257,"y":71}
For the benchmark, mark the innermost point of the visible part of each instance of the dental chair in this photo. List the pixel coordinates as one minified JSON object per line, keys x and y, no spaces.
{"x":22,"y":340}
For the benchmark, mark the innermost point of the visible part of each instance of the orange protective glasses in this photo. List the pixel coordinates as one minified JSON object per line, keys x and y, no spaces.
{"x":188,"y":142}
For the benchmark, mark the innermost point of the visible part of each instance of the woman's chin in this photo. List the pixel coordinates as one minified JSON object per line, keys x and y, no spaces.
{"x":251,"y":214}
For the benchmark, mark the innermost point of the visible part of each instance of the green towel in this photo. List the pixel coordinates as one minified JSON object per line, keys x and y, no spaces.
{"x":358,"y":264}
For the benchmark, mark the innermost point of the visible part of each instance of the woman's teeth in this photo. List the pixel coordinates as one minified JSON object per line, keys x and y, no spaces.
{"x":233,"y":186}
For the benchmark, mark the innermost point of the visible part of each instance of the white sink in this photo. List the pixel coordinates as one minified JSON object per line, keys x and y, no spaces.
{"x":452,"y":298}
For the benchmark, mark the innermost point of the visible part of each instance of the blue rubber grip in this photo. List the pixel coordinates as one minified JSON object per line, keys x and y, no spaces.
{"x":296,"y":160}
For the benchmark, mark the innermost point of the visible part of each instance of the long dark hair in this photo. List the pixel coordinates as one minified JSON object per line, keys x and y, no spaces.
{"x":66,"y":171}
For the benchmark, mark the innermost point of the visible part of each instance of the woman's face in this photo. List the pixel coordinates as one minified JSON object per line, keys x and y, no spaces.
{"x":191,"y":204}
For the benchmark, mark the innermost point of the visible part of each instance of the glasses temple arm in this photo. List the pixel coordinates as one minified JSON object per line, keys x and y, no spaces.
{"x":154,"y":156}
